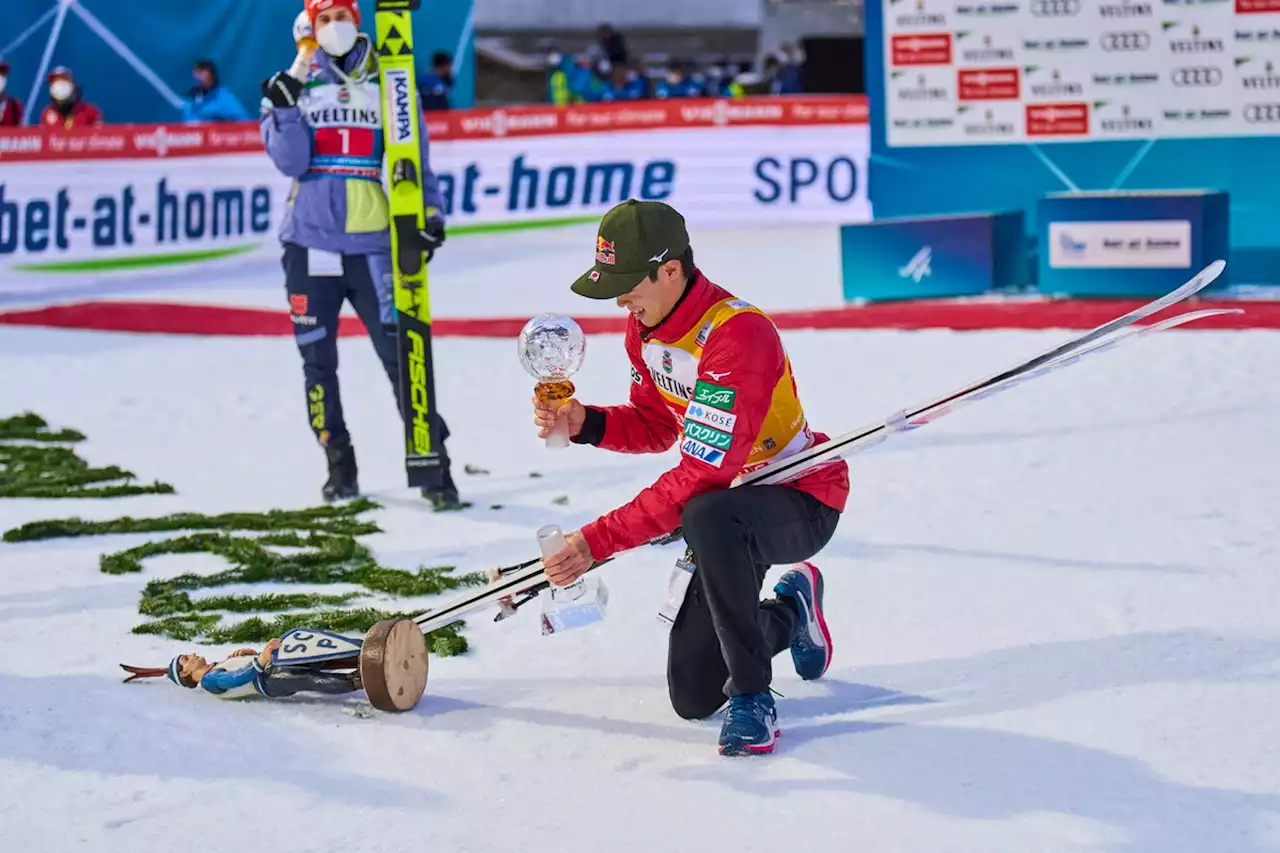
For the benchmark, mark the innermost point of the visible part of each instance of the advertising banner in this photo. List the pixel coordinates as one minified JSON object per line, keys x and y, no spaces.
{"x":931,"y":257}
{"x":1113,"y":96}
{"x":128,"y":199}
{"x":964,"y":73}
{"x":1127,"y":244}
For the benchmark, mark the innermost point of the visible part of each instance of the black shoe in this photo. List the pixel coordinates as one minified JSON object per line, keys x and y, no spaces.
{"x":445,"y":498}
{"x":342,"y":474}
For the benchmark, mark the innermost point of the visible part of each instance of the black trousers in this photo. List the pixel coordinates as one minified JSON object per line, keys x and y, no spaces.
{"x":315,"y":303}
{"x":724,"y":638}
{"x":279,"y":682}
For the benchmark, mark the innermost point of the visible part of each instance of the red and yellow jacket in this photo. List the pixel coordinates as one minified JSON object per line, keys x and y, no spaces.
{"x":714,"y":376}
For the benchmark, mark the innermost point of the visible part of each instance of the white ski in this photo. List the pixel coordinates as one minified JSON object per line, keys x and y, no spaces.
{"x":528,"y":577}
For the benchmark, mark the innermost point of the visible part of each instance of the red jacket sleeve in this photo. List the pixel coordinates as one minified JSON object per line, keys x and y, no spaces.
{"x":644,"y":424}
{"x":741,"y":363}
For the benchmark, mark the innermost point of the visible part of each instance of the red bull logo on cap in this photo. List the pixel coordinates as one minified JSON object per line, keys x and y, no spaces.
{"x":605,"y":252}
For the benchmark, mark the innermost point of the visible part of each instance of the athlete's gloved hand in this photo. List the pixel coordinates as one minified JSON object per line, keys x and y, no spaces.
{"x":282,"y":90}
{"x":432,"y":236}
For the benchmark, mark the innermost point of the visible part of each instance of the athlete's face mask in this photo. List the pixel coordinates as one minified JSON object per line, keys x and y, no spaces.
{"x":60,"y":90}
{"x":337,"y":38}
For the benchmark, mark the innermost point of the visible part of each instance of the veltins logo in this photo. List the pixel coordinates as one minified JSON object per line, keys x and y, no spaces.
{"x":1126,"y":9}
{"x":1249,"y":79}
{"x":1196,"y":43}
{"x":710,"y":417}
{"x":1055,"y":86}
{"x":403,"y":114}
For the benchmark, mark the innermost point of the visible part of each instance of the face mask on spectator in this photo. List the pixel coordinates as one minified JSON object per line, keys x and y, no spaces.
{"x":60,"y":90}
{"x":3,"y":82}
{"x":337,"y":38}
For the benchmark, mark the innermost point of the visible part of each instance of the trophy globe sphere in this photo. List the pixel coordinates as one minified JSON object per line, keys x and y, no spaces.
{"x":551,"y":347}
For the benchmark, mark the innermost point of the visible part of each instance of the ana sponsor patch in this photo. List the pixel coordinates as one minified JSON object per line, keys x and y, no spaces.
{"x":702,"y":452}
{"x":714,"y":395}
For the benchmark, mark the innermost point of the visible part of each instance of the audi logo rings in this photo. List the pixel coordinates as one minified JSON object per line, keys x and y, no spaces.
{"x":1197,"y":76}
{"x":1055,"y":8}
{"x":1262,"y":113}
{"x":1135,"y":40}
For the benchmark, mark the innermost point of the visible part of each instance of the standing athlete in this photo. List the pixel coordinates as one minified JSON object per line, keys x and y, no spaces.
{"x":709,"y":371}
{"x":327,"y":135}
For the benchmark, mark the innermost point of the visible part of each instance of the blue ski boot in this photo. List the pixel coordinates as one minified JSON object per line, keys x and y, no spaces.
{"x":750,"y":725}
{"x":811,"y":642}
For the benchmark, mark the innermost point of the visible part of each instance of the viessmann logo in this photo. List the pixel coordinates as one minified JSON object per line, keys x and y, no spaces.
{"x":1055,"y":8}
{"x":1124,"y":41}
{"x":931,"y":49}
{"x":988,"y":84}
{"x":1204,"y":76}
{"x":1057,"y":119}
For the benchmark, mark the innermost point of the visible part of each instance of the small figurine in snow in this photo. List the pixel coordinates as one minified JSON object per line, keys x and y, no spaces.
{"x":247,"y":673}
{"x":389,"y":664}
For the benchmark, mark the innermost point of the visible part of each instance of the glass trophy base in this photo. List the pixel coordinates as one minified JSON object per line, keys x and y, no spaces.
{"x":575,"y":606}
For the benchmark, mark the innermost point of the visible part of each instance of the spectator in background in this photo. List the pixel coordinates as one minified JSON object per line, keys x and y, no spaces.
{"x":208,"y":99}
{"x":612,"y":44}
{"x":67,"y":107}
{"x":625,"y":84}
{"x":435,"y":86}
{"x":10,"y":107}
{"x":559,"y":92}
{"x":721,"y":80}
{"x":677,"y":83}
{"x":789,"y":79}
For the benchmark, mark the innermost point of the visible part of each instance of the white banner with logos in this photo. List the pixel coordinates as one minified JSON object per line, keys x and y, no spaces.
{"x":129,"y":217}
{"x":965,"y":73}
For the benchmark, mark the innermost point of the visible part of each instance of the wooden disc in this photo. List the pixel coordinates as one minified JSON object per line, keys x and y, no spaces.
{"x":393,"y":664}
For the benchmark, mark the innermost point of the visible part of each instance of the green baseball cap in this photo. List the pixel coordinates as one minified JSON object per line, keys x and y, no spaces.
{"x":635,"y":238}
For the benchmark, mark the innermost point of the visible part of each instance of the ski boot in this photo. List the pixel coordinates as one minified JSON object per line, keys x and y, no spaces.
{"x":750,"y":725}
{"x":341,"y":484}
{"x":811,"y":640}
{"x":445,"y":498}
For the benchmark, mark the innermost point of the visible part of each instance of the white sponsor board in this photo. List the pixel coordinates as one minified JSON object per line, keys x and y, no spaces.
{"x":1016,"y":71}
{"x":1159,"y":243}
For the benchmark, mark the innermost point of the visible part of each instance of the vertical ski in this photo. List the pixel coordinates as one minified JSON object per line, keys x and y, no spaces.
{"x":424,"y":461}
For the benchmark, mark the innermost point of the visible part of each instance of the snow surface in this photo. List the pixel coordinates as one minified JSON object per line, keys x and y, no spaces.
{"x":1054,"y":616}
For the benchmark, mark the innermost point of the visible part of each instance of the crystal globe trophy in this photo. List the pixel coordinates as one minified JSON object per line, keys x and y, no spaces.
{"x":551,"y":348}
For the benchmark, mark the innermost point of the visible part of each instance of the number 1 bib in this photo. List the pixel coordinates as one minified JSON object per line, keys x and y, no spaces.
{"x":346,"y":130}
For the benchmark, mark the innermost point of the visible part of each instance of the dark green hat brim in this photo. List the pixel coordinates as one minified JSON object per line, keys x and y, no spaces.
{"x":606,"y":284}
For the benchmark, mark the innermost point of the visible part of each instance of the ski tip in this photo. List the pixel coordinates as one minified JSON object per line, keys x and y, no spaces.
{"x":1211,"y":272}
